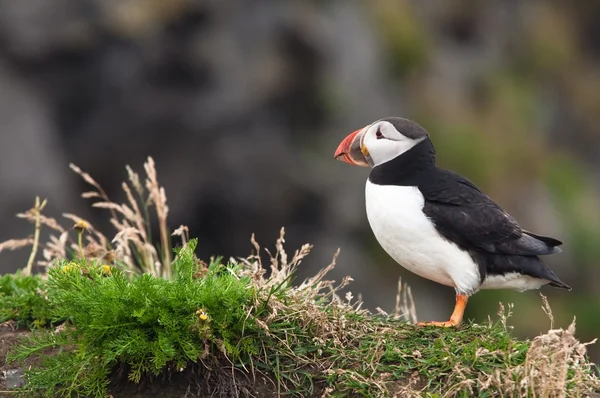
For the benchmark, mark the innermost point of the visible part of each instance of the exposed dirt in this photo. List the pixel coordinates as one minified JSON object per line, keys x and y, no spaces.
{"x":9,"y":336}
{"x":194,"y":381}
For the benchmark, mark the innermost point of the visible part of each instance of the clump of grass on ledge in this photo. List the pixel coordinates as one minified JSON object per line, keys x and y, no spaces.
{"x":133,"y":248}
{"x":239,"y":327}
{"x":149,"y":324}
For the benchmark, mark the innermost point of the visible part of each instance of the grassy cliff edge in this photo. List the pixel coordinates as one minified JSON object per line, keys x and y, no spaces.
{"x":230,"y":331}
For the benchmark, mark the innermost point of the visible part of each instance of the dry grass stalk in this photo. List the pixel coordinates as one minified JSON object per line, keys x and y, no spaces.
{"x":159,"y":198}
{"x":547,"y":310}
{"x":15,"y":244}
{"x":405,"y":303}
{"x":504,"y":314}
{"x":35,"y":212}
{"x":304,"y":305}
{"x":184,"y":234}
{"x":87,"y":178}
{"x":549,"y":359}
{"x":282,"y":270}
{"x":131,"y":247}
{"x":55,"y":248}
{"x":133,"y":242}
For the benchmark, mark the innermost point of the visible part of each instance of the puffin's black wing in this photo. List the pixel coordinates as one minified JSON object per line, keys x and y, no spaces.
{"x":465,"y":215}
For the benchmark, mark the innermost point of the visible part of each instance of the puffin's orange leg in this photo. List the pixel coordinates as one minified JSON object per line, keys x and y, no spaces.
{"x":457,"y":314}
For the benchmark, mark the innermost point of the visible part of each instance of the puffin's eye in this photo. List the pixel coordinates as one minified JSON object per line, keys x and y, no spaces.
{"x":378,"y":134}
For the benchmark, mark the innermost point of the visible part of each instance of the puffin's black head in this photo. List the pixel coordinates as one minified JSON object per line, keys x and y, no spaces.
{"x":381,"y":141}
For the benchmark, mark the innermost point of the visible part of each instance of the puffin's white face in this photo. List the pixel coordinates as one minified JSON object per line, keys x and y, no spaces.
{"x":381,"y":142}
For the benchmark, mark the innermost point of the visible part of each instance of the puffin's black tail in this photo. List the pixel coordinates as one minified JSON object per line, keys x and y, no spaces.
{"x":536,"y":268}
{"x":559,"y":284}
{"x":522,"y":264}
{"x":551,"y":247}
{"x":550,"y":243}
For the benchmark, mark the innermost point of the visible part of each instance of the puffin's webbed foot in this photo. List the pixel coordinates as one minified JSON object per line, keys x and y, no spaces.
{"x":447,"y":324}
{"x":457,"y":314}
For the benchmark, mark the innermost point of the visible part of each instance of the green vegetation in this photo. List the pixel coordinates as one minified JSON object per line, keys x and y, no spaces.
{"x":22,"y":300}
{"x":148,"y":323}
{"x":305,"y":340}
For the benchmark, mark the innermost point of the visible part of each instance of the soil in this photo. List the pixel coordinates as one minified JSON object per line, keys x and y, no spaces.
{"x":194,"y":381}
{"x":9,"y":336}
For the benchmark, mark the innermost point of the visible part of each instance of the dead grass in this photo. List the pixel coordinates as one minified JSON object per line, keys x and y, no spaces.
{"x":132,"y":247}
{"x":380,"y":355}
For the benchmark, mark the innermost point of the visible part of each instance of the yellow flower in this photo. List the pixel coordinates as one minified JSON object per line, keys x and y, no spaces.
{"x":69,"y":267}
{"x":81,"y":225}
{"x":105,"y":269}
{"x":202,"y":315}
{"x":39,"y":323}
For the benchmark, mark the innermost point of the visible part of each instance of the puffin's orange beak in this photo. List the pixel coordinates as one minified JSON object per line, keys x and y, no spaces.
{"x":349,"y":150}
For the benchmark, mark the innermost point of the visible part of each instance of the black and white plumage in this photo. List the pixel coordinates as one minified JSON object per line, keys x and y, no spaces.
{"x":437,"y":223}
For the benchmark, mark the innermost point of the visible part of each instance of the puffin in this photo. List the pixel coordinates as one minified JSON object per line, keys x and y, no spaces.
{"x":438,"y":224}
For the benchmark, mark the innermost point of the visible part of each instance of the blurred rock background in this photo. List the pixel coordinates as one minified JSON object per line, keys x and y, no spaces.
{"x":242,"y":104}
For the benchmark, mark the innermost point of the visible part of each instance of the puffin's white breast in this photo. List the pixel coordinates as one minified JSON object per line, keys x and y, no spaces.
{"x":396,"y":217}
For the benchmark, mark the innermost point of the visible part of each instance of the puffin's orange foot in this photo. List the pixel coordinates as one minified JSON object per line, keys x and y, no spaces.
{"x":447,"y":324}
{"x":457,"y":315}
